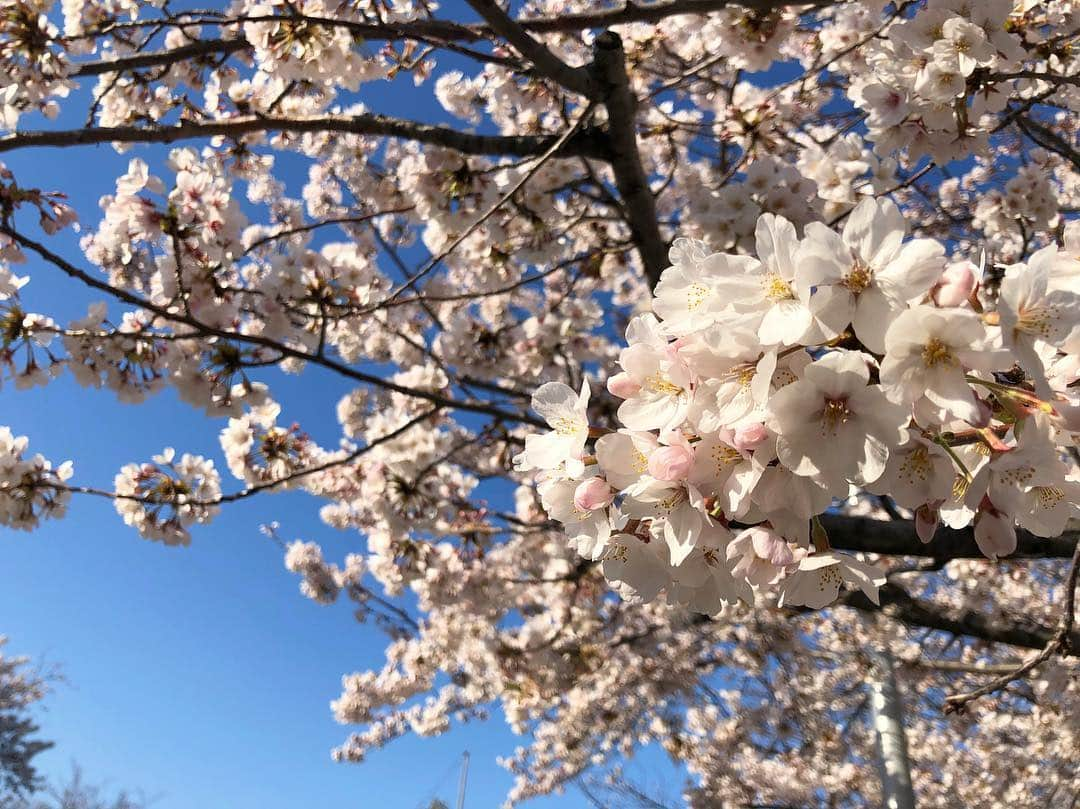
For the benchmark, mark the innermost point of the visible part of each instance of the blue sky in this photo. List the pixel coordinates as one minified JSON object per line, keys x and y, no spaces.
{"x":198,"y":675}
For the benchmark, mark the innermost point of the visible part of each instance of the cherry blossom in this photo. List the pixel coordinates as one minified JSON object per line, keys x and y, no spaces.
{"x":565,"y":412}
{"x":819,"y":576}
{"x":832,"y":425}
{"x":792,"y":291}
{"x":162,"y":499}
{"x":866,"y":275}
{"x":927,"y":354}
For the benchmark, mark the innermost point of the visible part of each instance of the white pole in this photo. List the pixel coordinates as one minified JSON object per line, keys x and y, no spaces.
{"x":888,"y":713}
{"x":462,"y":780}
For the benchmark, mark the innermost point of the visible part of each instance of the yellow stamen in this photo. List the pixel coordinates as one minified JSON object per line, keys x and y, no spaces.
{"x":836,"y":413}
{"x":776,"y":288}
{"x":937,"y":353}
{"x":696,"y":295}
{"x":859,"y":278}
{"x":657,"y":383}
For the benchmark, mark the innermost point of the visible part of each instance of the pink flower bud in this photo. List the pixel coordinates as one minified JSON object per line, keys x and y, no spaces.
{"x":622,"y":385}
{"x":671,"y":463}
{"x":592,"y":494}
{"x":749,"y":437}
{"x":956,"y":285}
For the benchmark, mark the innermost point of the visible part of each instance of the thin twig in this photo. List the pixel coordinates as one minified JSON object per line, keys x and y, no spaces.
{"x":958,"y":703}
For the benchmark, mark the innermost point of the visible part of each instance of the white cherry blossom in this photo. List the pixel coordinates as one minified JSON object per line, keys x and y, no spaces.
{"x":566,"y":414}
{"x":817,"y":581}
{"x":832,"y":425}
{"x":928,"y":352}
{"x":866,"y":275}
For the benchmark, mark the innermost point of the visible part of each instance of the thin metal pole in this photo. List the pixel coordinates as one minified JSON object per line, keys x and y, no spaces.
{"x":888,"y":712}
{"x":462,"y":780}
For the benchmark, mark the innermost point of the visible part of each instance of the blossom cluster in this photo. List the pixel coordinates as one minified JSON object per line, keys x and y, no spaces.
{"x":30,"y":488}
{"x":301,"y":225}
{"x":760,"y":391}
{"x":162,"y":499}
{"x":925,"y":63}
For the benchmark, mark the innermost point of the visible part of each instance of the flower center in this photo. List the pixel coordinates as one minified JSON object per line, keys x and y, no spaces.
{"x":1036,"y":320}
{"x":916,"y":466}
{"x":725,"y":456}
{"x":959,"y":487}
{"x":859,"y":278}
{"x":743,"y":374}
{"x":1049,"y":496}
{"x":669,"y":504}
{"x":829,"y":577}
{"x":835,"y":414}
{"x":937,"y":353}
{"x":566,"y":426}
{"x":695,"y":296}
{"x":776,"y":288}
{"x":1019,"y":476}
{"x":658,"y":383}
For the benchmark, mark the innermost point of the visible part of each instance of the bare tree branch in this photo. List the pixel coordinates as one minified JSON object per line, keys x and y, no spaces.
{"x":256,"y":488}
{"x":434,"y":261}
{"x":897,"y":538}
{"x":285,"y":350}
{"x":585,"y":143}
{"x":194,"y":50}
{"x":1063,"y":640}
{"x":609,"y":71}
{"x":546,"y":62}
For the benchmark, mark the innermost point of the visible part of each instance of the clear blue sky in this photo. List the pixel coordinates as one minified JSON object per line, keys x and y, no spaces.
{"x":199,"y":675}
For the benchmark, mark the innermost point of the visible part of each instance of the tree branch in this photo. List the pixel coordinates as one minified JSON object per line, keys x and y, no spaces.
{"x":194,"y":50}
{"x":959,"y":666}
{"x":204,"y":329}
{"x":1062,"y":641}
{"x":655,"y":12}
{"x":585,"y":143}
{"x":609,"y":72}
{"x":546,"y":63}
{"x":1048,"y":139}
{"x":432,"y":30}
{"x":898,"y":538}
{"x":897,"y":604}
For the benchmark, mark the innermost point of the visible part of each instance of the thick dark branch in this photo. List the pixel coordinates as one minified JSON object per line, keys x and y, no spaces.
{"x":194,"y":50}
{"x":546,"y":63}
{"x":586,"y":143}
{"x":609,"y":72}
{"x":655,"y":12}
{"x":900,"y":606}
{"x":897,"y":538}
